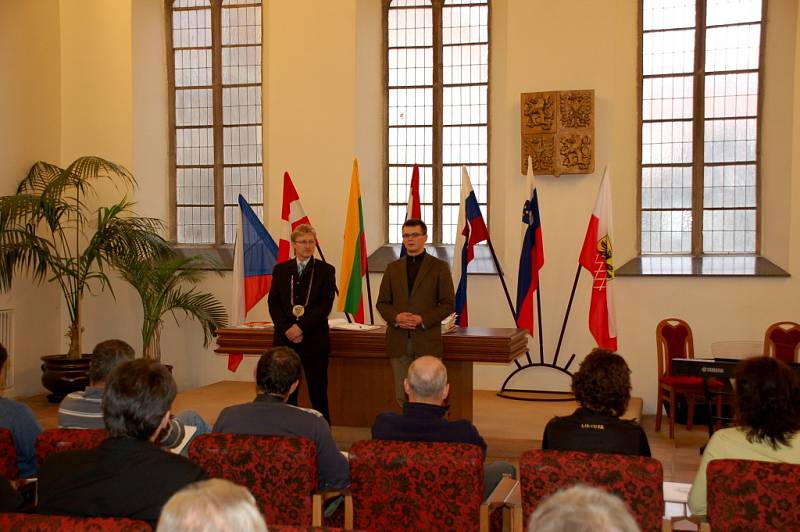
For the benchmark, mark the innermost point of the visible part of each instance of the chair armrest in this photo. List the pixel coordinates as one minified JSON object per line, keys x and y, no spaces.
{"x":319,"y":499}
{"x":505,"y":494}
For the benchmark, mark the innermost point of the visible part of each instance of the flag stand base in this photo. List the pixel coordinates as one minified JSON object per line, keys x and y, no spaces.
{"x":518,"y":394}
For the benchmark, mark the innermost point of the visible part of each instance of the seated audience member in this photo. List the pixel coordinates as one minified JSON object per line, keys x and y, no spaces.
{"x":582,"y":509}
{"x":19,"y":419}
{"x":83,"y":410}
{"x":277,"y":376}
{"x":127,"y":475}
{"x":424,"y":417}
{"x":767,"y":405}
{"x":602,"y":387}
{"x":214,"y":505}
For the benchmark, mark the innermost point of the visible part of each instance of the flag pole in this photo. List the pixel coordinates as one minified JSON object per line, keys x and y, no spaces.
{"x":369,"y":294}
{"x":566,"y":314}
{"x":539,"y":317}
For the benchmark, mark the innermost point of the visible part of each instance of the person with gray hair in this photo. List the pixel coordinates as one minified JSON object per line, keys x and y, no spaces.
{"x":215,"y":505}
{"x":582,"y":509}
{"x":424,"y":417}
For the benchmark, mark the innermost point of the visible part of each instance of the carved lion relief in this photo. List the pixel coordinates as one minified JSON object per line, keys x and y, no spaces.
{"x":558,"y":132}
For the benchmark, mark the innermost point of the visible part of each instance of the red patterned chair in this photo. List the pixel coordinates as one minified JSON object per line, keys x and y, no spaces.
{"x":782,"y":341}
{"x":415,"y":486}
{"x":674,"y":340}
{"x":635,"y":479}
{"x":62,"y":523}
{"x":55,"y":440}
{"x":8,"y":455}
{"x":280,"y":472}
{"x":745,"y":495}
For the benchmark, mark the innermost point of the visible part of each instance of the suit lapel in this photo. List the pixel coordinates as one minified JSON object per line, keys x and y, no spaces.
{"x":404,"y":277}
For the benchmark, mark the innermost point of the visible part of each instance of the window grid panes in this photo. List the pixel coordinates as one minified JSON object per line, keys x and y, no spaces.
{"x":229,"y":113}
{"x":699,"y":165}
{"x":437,"y":115}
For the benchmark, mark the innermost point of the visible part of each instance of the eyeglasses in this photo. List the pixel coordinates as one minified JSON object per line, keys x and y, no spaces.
{"x":305,"y":242}
{"x":413,"y":235}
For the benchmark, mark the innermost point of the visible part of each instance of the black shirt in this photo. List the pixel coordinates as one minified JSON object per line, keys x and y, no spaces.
{"x":425,"y":422}
{"x":591,"y":432}
{"x":412,"y":268}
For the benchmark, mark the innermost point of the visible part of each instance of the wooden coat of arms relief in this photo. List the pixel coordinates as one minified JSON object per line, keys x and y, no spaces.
{"x":557,"y":132}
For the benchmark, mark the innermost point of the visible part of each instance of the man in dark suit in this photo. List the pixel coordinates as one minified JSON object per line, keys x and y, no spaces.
{"x":416,"y":295}
{"x":127,"y":475}
{"x":300,"y":300}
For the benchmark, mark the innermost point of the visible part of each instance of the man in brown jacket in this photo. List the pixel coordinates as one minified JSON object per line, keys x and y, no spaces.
{"x":416,"y":295}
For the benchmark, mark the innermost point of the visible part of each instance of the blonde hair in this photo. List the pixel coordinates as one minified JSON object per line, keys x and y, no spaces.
{"x":582,"y":509}
{"x":303,"y":229}
{"x":214,"y":505}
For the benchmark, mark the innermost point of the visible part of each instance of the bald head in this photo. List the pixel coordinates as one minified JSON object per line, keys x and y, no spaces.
{"x":427,"y":381}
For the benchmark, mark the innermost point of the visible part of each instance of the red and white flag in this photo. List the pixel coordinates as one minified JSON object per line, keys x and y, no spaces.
{"x":597,"y":258}
{"x":413,"y":208}
{"x":292,"y":215}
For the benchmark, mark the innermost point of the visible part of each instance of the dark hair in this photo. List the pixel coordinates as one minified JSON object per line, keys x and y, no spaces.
{"x":137,"y":395}
{"x":416,"y":222}
{"x":603,"y":383}
{"x":3,"y":357}
{"x":277,"y":370}
{"x":767,"y":400}
{"x":106,"y":356}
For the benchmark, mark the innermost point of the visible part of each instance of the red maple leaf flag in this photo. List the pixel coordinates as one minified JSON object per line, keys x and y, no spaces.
{"x":597,"y":258}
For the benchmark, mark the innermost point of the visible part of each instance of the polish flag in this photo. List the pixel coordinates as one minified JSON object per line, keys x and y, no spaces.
{"x":597,"y":258}
{"x":413,"y":209}
{"x":292,"y":215}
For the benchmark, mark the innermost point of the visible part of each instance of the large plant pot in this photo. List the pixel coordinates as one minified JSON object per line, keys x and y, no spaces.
{"x":62,"y":375}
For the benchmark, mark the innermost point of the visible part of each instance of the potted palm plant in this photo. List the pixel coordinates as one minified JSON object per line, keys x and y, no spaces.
{"x":49,"y":232}
{"x":167,"y":284}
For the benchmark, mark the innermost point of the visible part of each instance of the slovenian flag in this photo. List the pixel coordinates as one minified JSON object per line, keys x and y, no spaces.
{"x":471,"y":230}
{"x":597,"y":258}
{"x":354,"y":253}
{"x":413,"y":209}
{"x":292,"y":215}
{"x":531,"y":259}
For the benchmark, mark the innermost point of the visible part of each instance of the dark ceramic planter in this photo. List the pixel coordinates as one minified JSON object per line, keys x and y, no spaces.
{"x":61,"y":375}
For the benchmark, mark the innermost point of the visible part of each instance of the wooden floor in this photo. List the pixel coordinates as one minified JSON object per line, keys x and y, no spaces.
{"x":508,"y":426}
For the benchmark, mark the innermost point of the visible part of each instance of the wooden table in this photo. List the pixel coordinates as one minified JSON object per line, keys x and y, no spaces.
{"x":360,"y":382}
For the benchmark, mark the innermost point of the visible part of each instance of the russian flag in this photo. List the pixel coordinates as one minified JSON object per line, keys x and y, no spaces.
{"x":471,"y":230}
{"x":531,"y":258}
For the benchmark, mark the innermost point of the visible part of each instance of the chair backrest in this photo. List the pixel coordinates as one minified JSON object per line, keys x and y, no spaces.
{"x":8,"y":455}
{"x":750,"y":495}
{"x":637,"y":480}
{"x":673,"y":340}
{"x":56,"y":440}
{"x":782,"y":341}
{"x":280,"y":472}
{"x":411,"y":485}
{"x":63,"y":523}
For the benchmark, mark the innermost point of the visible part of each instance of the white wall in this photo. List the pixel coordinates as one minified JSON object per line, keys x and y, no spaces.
{"x":323,"y":105}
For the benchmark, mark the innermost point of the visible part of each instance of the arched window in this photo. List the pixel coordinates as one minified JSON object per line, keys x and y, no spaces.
{"x":214,"y":67}
{"x":437,"y":85}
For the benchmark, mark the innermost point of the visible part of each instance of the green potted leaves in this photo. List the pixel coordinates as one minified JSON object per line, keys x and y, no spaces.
{"x":49,"y":232}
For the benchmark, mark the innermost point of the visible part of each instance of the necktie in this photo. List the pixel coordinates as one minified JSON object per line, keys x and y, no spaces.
{"x":300,"y":268}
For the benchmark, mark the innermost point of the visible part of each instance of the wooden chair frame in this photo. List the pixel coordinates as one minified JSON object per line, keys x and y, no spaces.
{"x":769,"y":346}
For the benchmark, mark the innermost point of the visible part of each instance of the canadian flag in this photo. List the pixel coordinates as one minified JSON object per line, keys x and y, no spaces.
{"x":597,"y":258}
{"x":292,"y":215}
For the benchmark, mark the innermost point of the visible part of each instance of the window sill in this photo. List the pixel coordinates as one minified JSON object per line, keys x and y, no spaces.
{"x":482,"y":264}
{"x":222,"y":254}
{"x":705,"y":266}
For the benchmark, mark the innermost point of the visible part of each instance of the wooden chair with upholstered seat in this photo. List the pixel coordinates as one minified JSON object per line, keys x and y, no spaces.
{"x":752,"y":495}
{"x":8,"y":455}
{"x":782,"y":341}
{"x":674,"y":340}
{"x":64,"y":523}
{"x":637,"y":480}
{"x":56,"y":440}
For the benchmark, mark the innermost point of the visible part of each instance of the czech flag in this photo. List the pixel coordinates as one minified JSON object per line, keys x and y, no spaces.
{"x":597,"y":258}
{"x":292,"y":215}
{"x":531,"y":259}
{"x":414,"y":209}
{"x":471,"y":230}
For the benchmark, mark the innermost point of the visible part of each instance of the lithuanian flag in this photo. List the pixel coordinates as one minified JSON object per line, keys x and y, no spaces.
{"x":354,"y":253}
